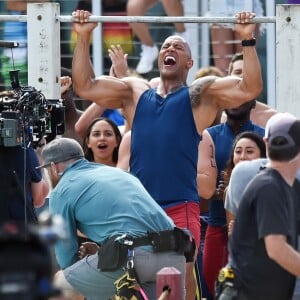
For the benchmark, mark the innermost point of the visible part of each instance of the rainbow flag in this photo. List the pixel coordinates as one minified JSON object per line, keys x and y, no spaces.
{"x":112,"y":34}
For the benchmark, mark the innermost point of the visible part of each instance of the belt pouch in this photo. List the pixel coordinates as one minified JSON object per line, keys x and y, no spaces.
{"x":185,"y":243}
{"x":111,"y":255}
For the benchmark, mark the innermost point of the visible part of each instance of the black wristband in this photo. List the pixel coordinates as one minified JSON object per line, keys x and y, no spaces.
{"x":249,"y":43}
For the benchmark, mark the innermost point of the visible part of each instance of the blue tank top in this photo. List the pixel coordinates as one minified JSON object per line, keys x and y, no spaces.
{"x":164,"y":147}
{"x":114,"y":115}
{"x":223,"y":137}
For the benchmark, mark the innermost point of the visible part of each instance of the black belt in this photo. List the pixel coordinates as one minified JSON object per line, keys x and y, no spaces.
{"x":113,"y":253}
{"x":178,"y":240}
{"x":160,"y":241}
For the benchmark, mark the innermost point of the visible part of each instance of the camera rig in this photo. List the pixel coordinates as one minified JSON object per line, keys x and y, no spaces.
{"x":26,"y":116}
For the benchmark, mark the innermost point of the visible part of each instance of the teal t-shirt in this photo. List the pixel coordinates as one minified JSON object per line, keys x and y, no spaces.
{"x":102,"y":201}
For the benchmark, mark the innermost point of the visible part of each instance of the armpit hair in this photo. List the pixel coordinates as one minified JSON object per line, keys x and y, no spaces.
{"x":198,"y":87}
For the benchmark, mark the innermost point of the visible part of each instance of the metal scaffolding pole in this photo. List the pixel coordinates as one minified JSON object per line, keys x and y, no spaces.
{"x":164,"y":19}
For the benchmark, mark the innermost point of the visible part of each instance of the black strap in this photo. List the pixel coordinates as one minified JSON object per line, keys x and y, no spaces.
{"x":177,"y":239}
{"x":141,"y":241}
{"x":161,"y":241}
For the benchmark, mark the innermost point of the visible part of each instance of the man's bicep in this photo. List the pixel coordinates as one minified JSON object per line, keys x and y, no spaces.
{"x":206,"y":154}
{"x":206,"y":168}
{"x":107,"y":91}
{"x":228,"y":92}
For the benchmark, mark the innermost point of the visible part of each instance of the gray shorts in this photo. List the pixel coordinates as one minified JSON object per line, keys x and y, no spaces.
{"x":86,"y":278}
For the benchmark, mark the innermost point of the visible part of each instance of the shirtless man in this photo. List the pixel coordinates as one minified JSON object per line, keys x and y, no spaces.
{"x":167,"y":122}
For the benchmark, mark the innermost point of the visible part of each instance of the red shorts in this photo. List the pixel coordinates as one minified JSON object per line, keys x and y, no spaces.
{"x":187,"y":215}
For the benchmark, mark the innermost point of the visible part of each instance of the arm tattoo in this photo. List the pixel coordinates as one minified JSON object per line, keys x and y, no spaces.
{"x":194,"y":95}
{"x":212,"y":157}
{"x":197,"y":87}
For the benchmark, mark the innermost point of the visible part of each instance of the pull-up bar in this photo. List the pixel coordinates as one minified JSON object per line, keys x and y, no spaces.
{"x":162,"y":19}
{"x":146,"y":19}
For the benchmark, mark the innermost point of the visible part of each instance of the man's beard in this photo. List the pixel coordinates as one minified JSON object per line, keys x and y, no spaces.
{"x":53,"y":180}
{"x":238,"y":116}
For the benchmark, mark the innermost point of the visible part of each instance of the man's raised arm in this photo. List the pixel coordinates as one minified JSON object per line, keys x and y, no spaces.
{"x":251,"y":83}
{"x":230,"y":92}
{"x":105,"y":90}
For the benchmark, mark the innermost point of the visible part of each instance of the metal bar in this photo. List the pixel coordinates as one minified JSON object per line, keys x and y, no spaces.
{"x":44,"y":66}
{"x":17,"y":18}
{"x":146,"y":19}
{"x":97,"y":40}
{"x":205,"y":37}
{"x":271,"y":57}
{"x":164,"y":19}
{"x":288,"y":59}
{"x":191,"y":9}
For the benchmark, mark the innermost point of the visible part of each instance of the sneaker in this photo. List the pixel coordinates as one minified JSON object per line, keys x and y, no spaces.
{"x":148,"y":57}
{"x":184,"y":35}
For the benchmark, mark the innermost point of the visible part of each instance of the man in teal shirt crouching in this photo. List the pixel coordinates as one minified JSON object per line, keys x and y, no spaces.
{"x":110,"y":207}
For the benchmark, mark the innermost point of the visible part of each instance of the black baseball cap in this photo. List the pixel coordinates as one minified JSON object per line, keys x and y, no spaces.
{"x":283,"y":135}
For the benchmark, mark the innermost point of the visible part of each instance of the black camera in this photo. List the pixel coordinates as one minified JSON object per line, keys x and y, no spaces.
{"x":26,"y":262}
{"x":26,"y":116}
